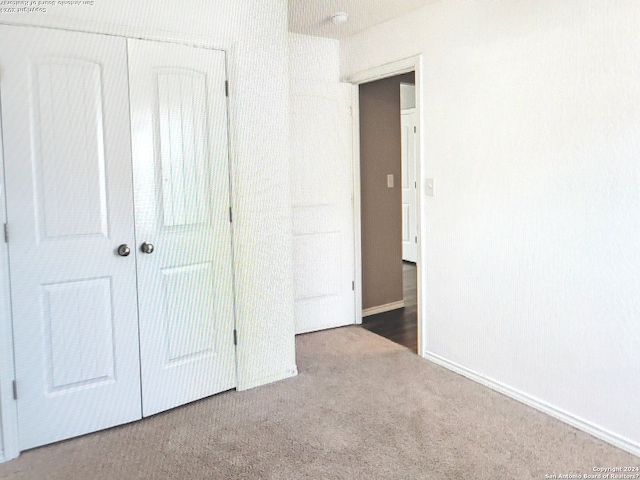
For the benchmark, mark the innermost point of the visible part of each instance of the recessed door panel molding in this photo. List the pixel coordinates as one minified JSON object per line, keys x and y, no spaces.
{"x":68,"y":173}
{"x":322,"y":189}
{"x":315,"y":168}
{"x":79,"y":328}
{"x":181,"y":183}
{"x":69,"y":147}
{"x":317,"y":266}
{"x":182,"y":121}
{"x":191,"y":326}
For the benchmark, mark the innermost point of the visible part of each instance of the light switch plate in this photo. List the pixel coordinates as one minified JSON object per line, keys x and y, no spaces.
{"x":390,"y":180}
{"x":429,"y":192}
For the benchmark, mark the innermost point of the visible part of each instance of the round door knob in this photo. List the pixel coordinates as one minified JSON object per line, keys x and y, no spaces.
{"x":124,"y":250}
{"x":146,"y":247}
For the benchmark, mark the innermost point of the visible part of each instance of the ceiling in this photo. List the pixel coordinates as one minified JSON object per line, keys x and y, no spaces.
{"x":313,"y":17}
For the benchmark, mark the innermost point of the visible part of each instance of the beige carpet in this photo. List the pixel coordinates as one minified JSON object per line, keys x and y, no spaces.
{"x":361,"y":408}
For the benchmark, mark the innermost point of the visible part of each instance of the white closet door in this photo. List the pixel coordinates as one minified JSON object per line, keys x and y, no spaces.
{"x":322,"y":190}
{"x":68,"y":175}
{"x":409,"y":187}
{"x":181,"y":184}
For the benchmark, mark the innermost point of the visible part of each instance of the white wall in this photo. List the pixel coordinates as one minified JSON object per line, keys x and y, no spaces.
{"x":255,"y":35}
{"x":313,"y":62}
{"x":531,"y":130}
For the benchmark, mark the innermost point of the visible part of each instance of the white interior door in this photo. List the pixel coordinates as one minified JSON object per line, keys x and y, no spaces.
{"x":181,"y":184}
{"x":409,"y":187}
{"x":69,"y":203}
{"x":322,"y":189}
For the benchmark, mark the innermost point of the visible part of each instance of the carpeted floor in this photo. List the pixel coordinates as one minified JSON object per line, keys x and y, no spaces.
{"x":362,"y":407}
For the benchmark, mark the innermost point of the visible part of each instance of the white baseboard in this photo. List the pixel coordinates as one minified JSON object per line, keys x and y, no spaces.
{"x":382,"y":308}
{"x":566,"y":417}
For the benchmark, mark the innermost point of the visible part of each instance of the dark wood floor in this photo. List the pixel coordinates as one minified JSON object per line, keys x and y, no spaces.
{"x":401,"y":325}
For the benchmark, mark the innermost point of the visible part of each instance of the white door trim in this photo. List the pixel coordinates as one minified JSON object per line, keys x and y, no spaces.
{"x":391,"y":69}
{"x":405,"y":65}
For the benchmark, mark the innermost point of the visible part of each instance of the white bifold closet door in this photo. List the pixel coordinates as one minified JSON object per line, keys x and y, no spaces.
{"x":181,"y":182}
{"x":67,"y":160}
{"x":105,"y":333}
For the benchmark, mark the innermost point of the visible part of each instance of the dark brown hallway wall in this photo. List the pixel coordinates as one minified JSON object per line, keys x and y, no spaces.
{"x":380,"y":144}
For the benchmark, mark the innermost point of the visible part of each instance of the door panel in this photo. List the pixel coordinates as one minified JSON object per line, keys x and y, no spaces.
{"x":182,"y":148}
{"x":79,"y":333}
{"x":409,"y":187}
{"x":69,"y":193}
{"x":189,"y":334}
{"x":181,"y":178}
{"x":322,"y":190}
{"x":69,"y":137}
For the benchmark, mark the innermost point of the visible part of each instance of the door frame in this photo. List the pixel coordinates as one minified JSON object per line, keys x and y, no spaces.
{"x":391,"y":69}
{"x":9,"y":433}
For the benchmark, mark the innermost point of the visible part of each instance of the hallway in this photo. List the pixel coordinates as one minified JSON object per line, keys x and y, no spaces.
{"x":399,"y":326}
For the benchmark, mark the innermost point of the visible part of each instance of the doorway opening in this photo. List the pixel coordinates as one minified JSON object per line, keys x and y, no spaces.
{"x":389,"y":212}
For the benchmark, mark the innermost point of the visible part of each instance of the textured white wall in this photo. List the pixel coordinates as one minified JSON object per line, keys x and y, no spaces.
{"x":531,"y":126}
{"x":313,"y":62}
{"x":255,"y":35}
